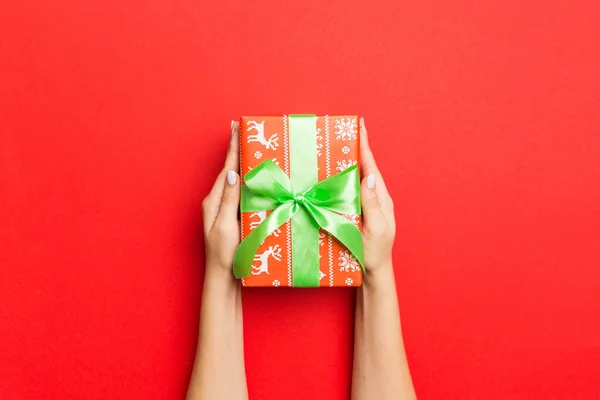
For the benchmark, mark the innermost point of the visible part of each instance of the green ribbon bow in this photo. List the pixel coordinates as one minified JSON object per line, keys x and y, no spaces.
{"x":268,"y":188}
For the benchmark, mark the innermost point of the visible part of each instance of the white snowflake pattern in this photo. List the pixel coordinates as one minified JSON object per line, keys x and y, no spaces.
{"x":342,"y":165}
{"x":345,"y":149}
{"x":275,"y":161}
{"x":257,"y":155}
{"x":321,"y":275}
{"x":352,"y":218}
{"x":347,"y":262}
{"x":276,"y":283}
{"x":345,"y":129}
{"x":349,"y":281}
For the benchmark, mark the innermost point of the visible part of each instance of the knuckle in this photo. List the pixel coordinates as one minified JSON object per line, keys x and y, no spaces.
{"x":370,"y":197}
{"x":221,"y":230}
{"x":228,"y":198}
{"x":376,"y":230}
{"x":392,"y":228}
{"x":390,"y":234}
{"x":382,"y":232}
{"x":206,"y":204}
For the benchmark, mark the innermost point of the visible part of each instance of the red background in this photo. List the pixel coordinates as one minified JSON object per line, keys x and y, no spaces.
{"x":484,"y":118}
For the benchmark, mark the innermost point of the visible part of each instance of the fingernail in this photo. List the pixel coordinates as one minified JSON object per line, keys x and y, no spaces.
{"x":362,"y":124}
{"x":232,"y":125}
{"x":371,"y":181}
{"x":231,"y":177}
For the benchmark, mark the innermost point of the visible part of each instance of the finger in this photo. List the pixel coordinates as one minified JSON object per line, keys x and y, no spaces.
{"x":230,"y":201}
{"x":371,"y":207}
{"x":232,"y":161}
{"x":367,"y":161}
{"x":213,"y":199}
{"x":369,"y":166}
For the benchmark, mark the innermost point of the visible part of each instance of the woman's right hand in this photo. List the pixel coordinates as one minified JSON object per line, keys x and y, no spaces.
{"x":379,"y":225}
{"x":220,"y":212}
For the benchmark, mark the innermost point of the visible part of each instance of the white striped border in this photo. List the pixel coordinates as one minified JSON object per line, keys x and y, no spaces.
{"x":289,"y":252}
{"x":286,"y":165}
{"x":241,"y":181}
{"x":327,"y":148}
{"x":286,"y":155}
{"x":330,"y":254}
{"x":328,"y":172}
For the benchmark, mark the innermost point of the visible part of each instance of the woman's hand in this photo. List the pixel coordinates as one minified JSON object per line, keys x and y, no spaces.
{"x":379,"y":228}
{"x":220,"y":211}
{"x":219,"y":366}
{"x":380,"y":366}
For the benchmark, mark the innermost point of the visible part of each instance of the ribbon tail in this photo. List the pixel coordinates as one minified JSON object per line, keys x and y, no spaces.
{"x":342,"y":229}
{"x":244,"y":255}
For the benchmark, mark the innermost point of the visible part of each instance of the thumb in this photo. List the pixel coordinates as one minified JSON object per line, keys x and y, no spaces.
{"x":230,"y":200}
{"x":371,"y":207}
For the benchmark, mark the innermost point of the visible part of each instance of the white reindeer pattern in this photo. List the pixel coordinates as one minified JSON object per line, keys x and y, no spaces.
{"x":263,"y":258}
{"x":259,"y":127}
{"x":261,"y":217}
{"x":322,"y":236}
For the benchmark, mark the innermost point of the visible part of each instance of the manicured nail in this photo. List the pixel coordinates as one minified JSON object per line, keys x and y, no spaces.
{"x":362,"y":125}
{"x":371,"y":181}
{"x":232,"y":125}
{"x":231,"y":177}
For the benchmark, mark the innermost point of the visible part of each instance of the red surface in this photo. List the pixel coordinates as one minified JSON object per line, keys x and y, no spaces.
{"x":484,"y":117}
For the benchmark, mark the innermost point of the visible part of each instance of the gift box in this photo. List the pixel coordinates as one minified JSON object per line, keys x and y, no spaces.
{"x":300,"y":201}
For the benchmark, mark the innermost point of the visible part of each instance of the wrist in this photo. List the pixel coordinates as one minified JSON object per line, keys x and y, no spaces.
{"x":220,"y":284}
{"x":217,"y":274}
{"x":381,"y":276}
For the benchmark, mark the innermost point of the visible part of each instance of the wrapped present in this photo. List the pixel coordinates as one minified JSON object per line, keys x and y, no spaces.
{"x":300,"y":201}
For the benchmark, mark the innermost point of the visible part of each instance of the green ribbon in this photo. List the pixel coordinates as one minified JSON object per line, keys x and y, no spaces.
{"x":309,"y":204}
{"x":304,"y":173}
{"x":268,"y":188}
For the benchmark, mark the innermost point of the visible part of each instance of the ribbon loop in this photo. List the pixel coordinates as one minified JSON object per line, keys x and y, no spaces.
{"x":268,"y":180}
{"x":267,"y":188}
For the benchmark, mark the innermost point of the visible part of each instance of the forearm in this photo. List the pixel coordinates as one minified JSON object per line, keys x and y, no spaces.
{"x":219,"y":371}
{"x":380,"y":367}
